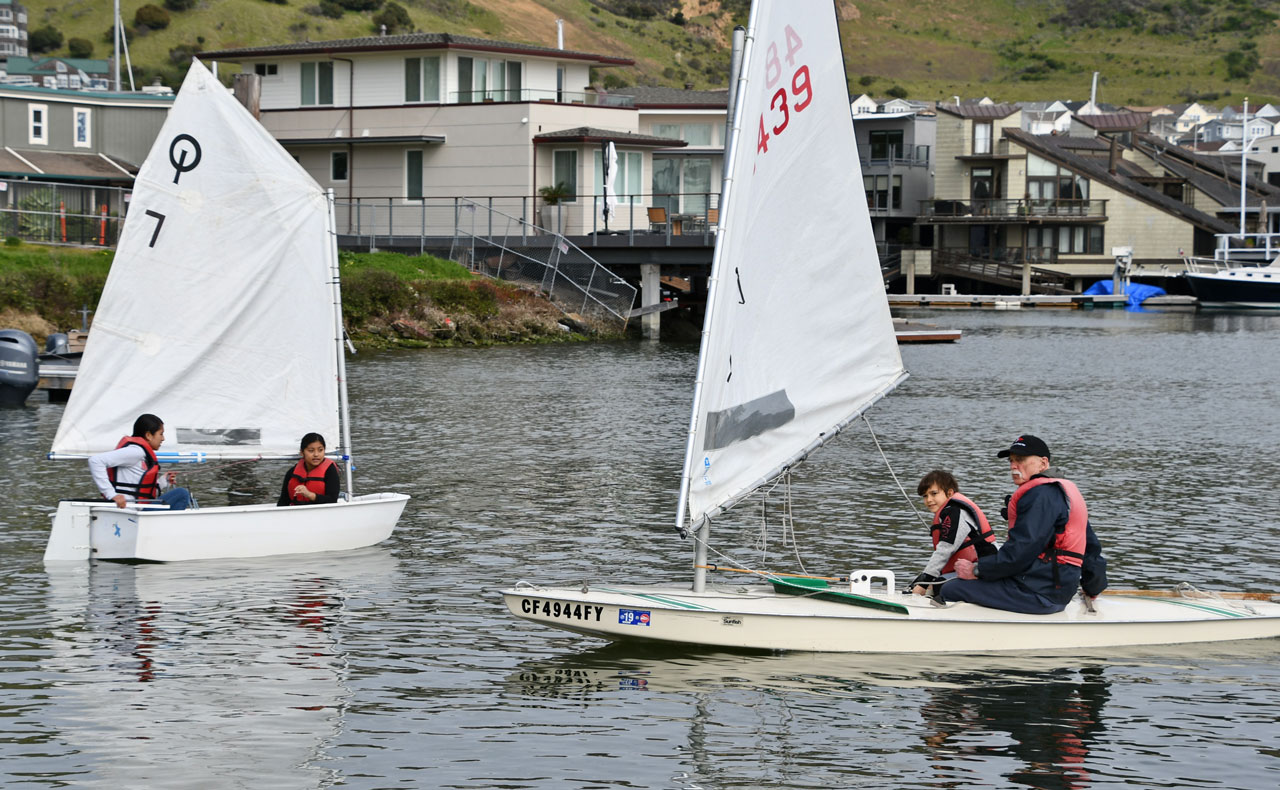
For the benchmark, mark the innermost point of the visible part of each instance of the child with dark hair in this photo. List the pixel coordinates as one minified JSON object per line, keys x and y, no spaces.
{"x":314,"y":479}
{"x":960,"y":529}
{"x":131,"y":472}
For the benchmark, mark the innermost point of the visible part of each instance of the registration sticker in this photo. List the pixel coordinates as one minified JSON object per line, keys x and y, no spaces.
{"x":633,"y":617}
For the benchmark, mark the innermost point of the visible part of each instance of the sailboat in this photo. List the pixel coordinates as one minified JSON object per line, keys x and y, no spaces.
{"x":222,"y":314}
{"x":797,"y":343}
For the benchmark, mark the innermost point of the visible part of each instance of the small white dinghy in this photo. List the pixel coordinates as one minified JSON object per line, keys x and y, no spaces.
{"x":797,"y":344}
{"x":222,"y":314}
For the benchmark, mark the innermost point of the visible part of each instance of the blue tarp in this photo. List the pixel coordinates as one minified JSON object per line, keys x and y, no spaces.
{"x":1136,"y":292}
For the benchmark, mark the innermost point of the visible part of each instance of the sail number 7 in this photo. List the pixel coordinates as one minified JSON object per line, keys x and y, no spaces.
{"x":801,"y":94}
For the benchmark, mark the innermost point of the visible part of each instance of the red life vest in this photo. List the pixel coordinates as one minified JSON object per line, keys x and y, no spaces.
{"x":1069,"y":539}
{"x":145,"y":488}
{"x":313,"y":480}
{"x":966,"y":550}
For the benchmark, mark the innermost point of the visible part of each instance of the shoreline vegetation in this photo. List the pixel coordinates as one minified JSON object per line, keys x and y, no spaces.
{"x":389,"y":300}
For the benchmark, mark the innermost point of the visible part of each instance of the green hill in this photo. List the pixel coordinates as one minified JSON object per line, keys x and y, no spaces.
{"x":1148,"y":51}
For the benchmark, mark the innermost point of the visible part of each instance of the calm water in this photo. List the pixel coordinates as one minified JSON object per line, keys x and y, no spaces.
{"x":397,"y":666}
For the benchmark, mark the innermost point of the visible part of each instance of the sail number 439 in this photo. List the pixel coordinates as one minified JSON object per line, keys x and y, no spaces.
{"x":781,"y":106}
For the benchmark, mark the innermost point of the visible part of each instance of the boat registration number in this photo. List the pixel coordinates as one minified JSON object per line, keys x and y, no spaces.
{"x":565,"y":610}
{"x":633,"y":617}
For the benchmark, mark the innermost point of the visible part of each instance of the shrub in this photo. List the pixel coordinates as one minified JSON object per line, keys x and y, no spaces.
{"x":360,"y":5}
{"x":80,"y":47}
{"x":152,"y":17}
{"x":367,"y":293}
{"x":897,"y":92}
{"x":475,"y":297}
{"x":45,"y":39}
{"x":182,"y":54}
{"x":180,"y":5}
{"x":12,"y":241}
{"x":394,"y":17}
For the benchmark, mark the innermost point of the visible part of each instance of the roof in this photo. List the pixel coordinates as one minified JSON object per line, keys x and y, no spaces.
{"x":53,"y":164}
{"x":993,"y":111}
{"x":1115,"y":121}
{"x":416,"y":41}
{"x":647,"y":97}
{"x":590,"y":134}
{"x":1095,"y":168}
{"x":85,"y":96}
{"x":1216,"y":176}
{"x":16,"y":64}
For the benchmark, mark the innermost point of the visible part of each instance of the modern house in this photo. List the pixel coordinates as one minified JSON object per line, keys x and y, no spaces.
{"x":895,"y":148}
{"x":13,"y":29}
{"x":400,"y":125}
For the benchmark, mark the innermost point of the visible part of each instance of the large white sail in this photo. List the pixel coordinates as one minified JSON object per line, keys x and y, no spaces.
{"x":218,"y":313}
{"x":798,"y":339}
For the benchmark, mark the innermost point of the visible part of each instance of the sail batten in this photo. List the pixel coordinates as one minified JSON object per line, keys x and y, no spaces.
{"x":205,"y":318}
{"x":798,"y":340}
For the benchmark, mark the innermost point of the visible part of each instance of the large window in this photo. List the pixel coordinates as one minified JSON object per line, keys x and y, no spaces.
{"x":886,"y":144}
{"x":1048,"y":183}
{"x":982,"y":137}
{"x":489,"y":80}
{"x":413,"y":175}
{"x":37,"y":124}
{"x":883,"y":192}
{"x":627,"y":181}
{"x":1067,"y":239}
{"x":422,"y":79}
{"x":695,"y":134}
{"x":317,"y":83}
{"x":564,"y":170}
{"x":83,"y":131}
{"x":682,"y":183}
{"x":338,"y":166}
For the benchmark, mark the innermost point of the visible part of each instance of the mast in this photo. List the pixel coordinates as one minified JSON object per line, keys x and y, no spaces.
{"x":344,"y":416}
{"x":732,"y":152}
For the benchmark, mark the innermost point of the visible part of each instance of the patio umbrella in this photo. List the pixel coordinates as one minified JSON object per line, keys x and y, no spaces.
{"x":610,"y":159}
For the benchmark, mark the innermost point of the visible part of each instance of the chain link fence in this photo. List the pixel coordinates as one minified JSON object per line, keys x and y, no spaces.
{"x":52,"y":213}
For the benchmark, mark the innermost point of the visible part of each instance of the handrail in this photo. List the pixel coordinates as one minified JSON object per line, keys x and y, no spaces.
{"x":1014,"y":208}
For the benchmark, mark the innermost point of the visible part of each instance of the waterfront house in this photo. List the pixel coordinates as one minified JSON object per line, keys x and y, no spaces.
{"x":400,"y":125}
{"x":896,"y":153}
{"x":1189,"y":116}
{"x":13,"y":29}
{"x":69,"y":73}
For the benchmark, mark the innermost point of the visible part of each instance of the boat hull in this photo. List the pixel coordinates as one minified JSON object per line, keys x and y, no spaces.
{"x":104,"y":532}
{"x":758,"y":618}
{"x":1251,"y":287}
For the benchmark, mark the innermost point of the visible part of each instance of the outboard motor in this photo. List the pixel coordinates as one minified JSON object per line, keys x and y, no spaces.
{"x":19,"y":371}
{"x":57,"y":343}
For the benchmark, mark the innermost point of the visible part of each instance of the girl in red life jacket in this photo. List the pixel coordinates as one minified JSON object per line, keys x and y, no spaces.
{"x":960,"y":529}
{"x":314,"y":479}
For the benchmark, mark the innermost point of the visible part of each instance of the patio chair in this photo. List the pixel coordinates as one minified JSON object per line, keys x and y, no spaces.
{"x":709,"y":222}
{"x":657,"y":219}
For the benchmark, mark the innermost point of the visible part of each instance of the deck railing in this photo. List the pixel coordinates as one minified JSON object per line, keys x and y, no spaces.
{"x":1014,"y":209}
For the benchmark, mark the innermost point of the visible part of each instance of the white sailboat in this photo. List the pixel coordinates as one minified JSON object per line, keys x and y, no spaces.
{"x":222,"y":314}
{"x":797,"y":343}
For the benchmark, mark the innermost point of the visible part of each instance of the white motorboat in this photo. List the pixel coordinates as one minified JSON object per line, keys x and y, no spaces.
{"x":222,"y":314}
{"x":797,"y":344}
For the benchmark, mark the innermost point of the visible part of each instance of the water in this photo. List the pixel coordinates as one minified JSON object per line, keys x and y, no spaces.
{"x":398,"y":667}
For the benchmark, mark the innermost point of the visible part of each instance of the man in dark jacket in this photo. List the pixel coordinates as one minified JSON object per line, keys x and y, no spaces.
{"x":1051,"y":548}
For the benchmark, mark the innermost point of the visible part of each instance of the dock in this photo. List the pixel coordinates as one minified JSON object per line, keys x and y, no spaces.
{"x":1008,"y":302}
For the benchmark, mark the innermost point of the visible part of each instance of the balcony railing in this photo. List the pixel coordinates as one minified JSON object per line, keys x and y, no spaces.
{"x":1015,"y":210}
{"x":551,"y":96}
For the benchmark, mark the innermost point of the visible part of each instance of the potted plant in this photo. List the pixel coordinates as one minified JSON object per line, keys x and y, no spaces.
{"x":552,"y":211}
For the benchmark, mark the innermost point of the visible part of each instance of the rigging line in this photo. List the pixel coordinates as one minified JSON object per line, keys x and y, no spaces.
{"x":790,"y":523}
{"x":910,"y":502}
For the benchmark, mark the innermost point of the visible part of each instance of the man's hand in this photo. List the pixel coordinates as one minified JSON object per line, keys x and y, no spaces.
{"x":964,"y":569}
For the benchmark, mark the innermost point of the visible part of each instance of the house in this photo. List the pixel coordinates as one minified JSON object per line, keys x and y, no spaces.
{"x":67,"y":73}
{"x":13,"y":29}
{"x":863,"y":104}
{"x":401,"y":124}
{"x":896,"y":154}
{"x":1225,"y":129}
{"x":1062,"y":202}
{"x":1189,"y":116}
{"x":1043,"y":117}
{"x":1119,"y":125}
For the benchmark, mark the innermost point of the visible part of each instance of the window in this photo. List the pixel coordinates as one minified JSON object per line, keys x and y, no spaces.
{"x":561,"y":79}
{"x":317,"y":83}
{"x":1067,"y":239}
{"x":37,"y":124}
{"x":83,"y":134}
{"x":266,"y":69}
{"x":982,"y":184}
{"x":413,"y":175}
{"x":338,"y":166}
{"x":886,"y":144}
{"x":515,"y":80}
{"x":698,"y":134}
{"x":465,"y":68}
{"x":1048,"y":183}
{"x":628,"y":178}
{"x":564,"y":170}
{"x":682,"y":183}
{"x":422,"y":79}
{"x":982,"y":137}
{"x":883,"y":192}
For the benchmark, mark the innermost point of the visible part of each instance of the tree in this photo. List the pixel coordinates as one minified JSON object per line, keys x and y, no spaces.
{"x":360,"y":5}
{"x":151,"y":16}
{"x":80,"y":47}
{"x":46,"y":39}
{"x":394,"y":17}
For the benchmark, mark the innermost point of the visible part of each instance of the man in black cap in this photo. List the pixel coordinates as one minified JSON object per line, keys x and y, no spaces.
{"x":1051,"y":549}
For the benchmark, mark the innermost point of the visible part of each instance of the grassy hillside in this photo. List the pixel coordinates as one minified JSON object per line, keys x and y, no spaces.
{"x":1148,"y":51}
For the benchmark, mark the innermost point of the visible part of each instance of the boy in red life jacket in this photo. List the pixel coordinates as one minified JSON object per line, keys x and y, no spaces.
{"x":314,"y":479}
{"x":1051,"y":548}
{"x":131,"y":472}
{"x":960,"y":530}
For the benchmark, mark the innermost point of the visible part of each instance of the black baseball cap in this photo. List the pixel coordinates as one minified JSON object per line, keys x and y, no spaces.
{"x":1026,"y":444}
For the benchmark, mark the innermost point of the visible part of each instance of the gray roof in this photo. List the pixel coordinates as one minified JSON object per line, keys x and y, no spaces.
{"x":1115,"y":121}
{"x":591,"y":134}
{"x":650,"y":96}
{"x":410,"y":41}
{"x":1217,"y":176}
{"x":55,"y":164}
{"x":992,"y":111}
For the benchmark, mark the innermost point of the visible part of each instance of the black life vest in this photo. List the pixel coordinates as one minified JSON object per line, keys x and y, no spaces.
{"x":146,"y":487}
{"x":313,"y":479}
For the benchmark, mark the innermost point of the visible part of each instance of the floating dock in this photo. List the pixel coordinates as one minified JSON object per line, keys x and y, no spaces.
{"x":1007,"y":302}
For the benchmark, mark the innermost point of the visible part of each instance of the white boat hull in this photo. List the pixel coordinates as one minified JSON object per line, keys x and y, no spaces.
{"x":756,"y":617}
{"x":88,"y":530}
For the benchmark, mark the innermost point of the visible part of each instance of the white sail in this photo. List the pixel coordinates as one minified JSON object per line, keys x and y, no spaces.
{"x":217,"y":314}
{"x":798,"y":338}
